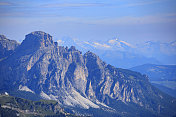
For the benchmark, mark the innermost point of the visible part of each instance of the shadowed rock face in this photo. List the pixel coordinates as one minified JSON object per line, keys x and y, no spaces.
{"x":38,"y":39}
{"x":34,"y":41}
{"x":41,"y":66}
{"x":7,"y":46}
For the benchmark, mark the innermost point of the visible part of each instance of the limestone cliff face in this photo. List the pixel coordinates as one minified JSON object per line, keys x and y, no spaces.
{"x":7,"y":46}
{"x":73,"y":79}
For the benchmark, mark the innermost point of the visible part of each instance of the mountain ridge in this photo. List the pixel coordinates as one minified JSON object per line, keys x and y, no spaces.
{"x":7,"y":46}
{"x":125,"y":52}
{"x":157,"y":72}
{"x":161,"y":76}
{"x":80,"y":81}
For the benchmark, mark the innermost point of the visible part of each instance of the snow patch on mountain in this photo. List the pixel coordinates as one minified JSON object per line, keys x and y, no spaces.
{"x":119,"y":43}
{"x":112,"y":41}
{"x":101,"y":45}
{"x":130,"y":45}
{"x":89,"y":44}
{"x":152,"y":52}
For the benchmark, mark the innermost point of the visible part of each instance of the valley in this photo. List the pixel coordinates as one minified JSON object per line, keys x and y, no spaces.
{"x":82,"y":84}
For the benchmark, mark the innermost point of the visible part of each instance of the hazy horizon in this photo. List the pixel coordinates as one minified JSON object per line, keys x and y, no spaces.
{"x":137,"y":21}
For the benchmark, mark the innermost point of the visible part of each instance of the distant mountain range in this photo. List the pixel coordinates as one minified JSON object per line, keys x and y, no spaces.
{"x":127,"y":55}
{"x":170,"y":91}
{"x":161,"y":76}
{"x":157,"y":72}
{"x":81,"y":83}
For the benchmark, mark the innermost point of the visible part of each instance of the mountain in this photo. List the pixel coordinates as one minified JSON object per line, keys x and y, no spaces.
{"x":157,"y":72}
{"x":15,"y":107}
{"x":167,"y":48}
{"x":161,"y":76}
{"x":124,"y":59}
{"x":113,"y":44}
{"x":165,"y":52}
{"x":81,"y":83}
{"x":125,"y":55}
{"x":6,"y":46}
{"x":165,"y":89}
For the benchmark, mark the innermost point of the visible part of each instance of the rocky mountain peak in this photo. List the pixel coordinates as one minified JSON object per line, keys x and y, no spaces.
{"x":7,"y":46}
{"x":79,"y":81}
{"x":36,"y":40}
{"x":2,"y":37}
{"x":93,"y":59}
{"x":72,"y":48}
{"x":41,"y":35}
{"x":41,"y":38}
{"x":90,"y":54}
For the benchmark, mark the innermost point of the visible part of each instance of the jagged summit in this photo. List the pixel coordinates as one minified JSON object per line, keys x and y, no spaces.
{"x":72,"y":48}
{"x":80,"y":81}
{"x":2,"y":37}
{"x":89,"y":53}
{"x":7,"y":46}
{"x":39,"y":37}
{"x":38,"y":32}
{"x":35,"y":40}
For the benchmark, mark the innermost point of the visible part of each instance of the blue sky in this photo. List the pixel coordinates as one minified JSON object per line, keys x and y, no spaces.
{"x":129,"y":20}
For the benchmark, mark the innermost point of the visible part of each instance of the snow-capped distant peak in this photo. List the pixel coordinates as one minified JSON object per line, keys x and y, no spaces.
{"x":101,"y":45}
{"x":113,"y":41}
{"x":130,"y":45}
{"x":120,"y":43}
{"x":89,"y":44}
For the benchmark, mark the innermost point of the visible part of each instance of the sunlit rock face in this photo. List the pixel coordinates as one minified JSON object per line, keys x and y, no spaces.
{"x":42,"y":67}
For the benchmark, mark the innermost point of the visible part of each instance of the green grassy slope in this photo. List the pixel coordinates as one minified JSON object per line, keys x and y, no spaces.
{"x":13,"y":106}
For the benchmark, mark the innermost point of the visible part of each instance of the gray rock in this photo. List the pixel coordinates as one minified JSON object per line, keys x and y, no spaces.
{"x":7,"y":46}
{"x":76,"y":80}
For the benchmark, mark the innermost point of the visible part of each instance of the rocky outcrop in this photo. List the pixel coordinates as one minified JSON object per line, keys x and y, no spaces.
{"x":76,"y":80}
{"x":7,"y":46}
